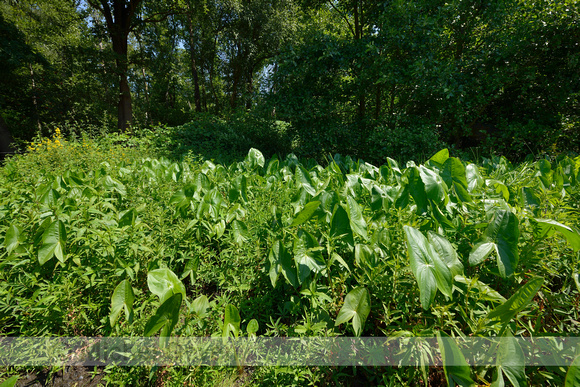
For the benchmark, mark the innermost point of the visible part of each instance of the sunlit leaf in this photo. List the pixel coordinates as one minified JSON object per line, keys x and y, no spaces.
{"x":232,"y":322}
{"x":306,"y":213}
{"x":573,"y":374}
{"x":53,"y":243}
{"x":307,"y":255}
{"x":427,"y":267}
{"x":239,"y":231}
{"x":122,"y":300}
{"x":546,"y":225}
{"x":281,"y":262}
{"x":12,"y":238}
{"x":517,"y":302}
{"x":446,"y":252}
{"x":164,"y":283}
{"x":357,"y":221}
{"x":357,"y":306}
{"x":454,"y":176}
{"x":502,"y":234}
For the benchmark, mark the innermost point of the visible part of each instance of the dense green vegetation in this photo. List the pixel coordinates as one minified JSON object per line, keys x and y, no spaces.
{"x":174,"y":169}
{"x":284,"y":247}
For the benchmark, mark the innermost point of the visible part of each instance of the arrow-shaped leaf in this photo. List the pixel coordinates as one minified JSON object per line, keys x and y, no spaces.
{"x":457,"y":371}
{"x":164,"y":283}
{"x":517,"y":302}
{"x":53,"y":243}
{"x":306,"y":213}
{"x":307,"y":255}
{"x":281,"y":261}
{"x":122,"y":299}
{"x":510,"y":362}
{"x":165,"y":318}
{"x":357,"y":306}
{"x":427,"y":267}
{"x":546,"y":225}
{"x":357,"y":221}
{"x":232,"y":321}
{"x":502,"y":234}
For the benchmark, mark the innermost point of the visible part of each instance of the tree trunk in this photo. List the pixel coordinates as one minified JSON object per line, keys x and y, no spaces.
{"x":35,"y":99}
{"x":125,"y":107}
{"x":119,"y":23}
{"x":196,"y":93}
{"x":5,"y":139}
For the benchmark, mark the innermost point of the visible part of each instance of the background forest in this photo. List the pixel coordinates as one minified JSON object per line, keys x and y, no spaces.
{"x":366,"y":78}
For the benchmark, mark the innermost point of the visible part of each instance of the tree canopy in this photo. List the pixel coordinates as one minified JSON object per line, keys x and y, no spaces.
{"x":350,"y":76}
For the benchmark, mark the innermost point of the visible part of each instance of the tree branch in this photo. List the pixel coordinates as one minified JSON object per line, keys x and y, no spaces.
{"x":343,"y":16}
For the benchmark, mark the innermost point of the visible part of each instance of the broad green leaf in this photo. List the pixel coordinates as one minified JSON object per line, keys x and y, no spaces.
{"x":219,"y":228}
{"x":440,"y":157}
{"x":530,"y":197}
{"x":416,"y":189}
{"x":202,"y":182}
{"x":303,"y":179}
{"x":473,"y":177}
{"x":122,"y":300}
{"x":340,"y":225}
{"x":440,"y":217}
{"x":427,"y":267}
{"x":12,"y":239}
{"x":435,"y":187}
{"x":499,"y":188}
{"x":457,"y":371}
{"x":545,"y":225}
{"x":281,"y":261}
{"x":454,"y":176}
{"x":504,"y":231}
{"x":544,"y":172}
{"x":576,"y":277}
{"x":127,"y":218}
{"x":517,"y":302}
{"x":510,"y":361}
{"x":53,"y":243}
{"x":357,"y":221}
{"x":502,"y":234}
{"x":273,"y":166}
{"x":164,"y":283}
{"x":232,"y":322}
{"x":307,"y":255}
{"x":485,"y":292}
{"x":446,"y":252}
{"x":252,"y":327}
{"x":357,"y":306}
{"x":114,"y":185}
{"x":254,"y":158}
{"x":190,"y":269}
{"x":239,"y":231}
{"x":165,"y":318}
{"x":306,"y":213}
{"x":200,"y":306}
{"x":50,"y":198}
{"x":480,"y":252}
{"x":573,"y":374}
{"x":10,"y":382}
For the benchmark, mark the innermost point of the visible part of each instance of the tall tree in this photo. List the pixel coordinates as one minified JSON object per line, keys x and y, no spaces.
{"x":120,"y":17}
